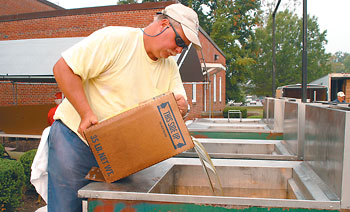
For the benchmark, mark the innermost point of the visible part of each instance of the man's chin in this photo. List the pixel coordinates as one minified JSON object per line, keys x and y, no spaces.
{"x":164,"y":56}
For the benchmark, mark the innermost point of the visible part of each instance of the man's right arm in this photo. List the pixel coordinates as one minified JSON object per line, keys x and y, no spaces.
{"x":72,"y":87}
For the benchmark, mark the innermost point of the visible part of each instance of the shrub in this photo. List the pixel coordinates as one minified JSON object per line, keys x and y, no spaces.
{"x":235,"y":115}
{"x":26,"y":160}
{"x":11,"y":184}
{"x":2,"y":150}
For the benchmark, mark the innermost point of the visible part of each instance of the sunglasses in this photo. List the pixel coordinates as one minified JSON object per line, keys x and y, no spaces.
{"x":178,"y":40}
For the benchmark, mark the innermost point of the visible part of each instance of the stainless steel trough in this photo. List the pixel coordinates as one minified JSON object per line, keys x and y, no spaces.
{"x":243,"y":148}
{"x":233,"y":129}
{"x":224,"y":125}
{"x":181,"y":181}
{"x":262,"y":180}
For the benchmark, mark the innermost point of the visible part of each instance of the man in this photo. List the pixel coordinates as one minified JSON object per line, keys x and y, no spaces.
{"x":112,"y":69}
{"x":51,"y":113}
{"x":340,"y":98}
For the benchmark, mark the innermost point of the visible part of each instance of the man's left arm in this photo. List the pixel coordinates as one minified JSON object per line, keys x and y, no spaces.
{"x":181,"y":104}
{"x":176,"y":86}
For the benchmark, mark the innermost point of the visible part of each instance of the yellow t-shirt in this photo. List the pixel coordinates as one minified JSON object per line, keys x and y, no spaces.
{"x":116,"y":73}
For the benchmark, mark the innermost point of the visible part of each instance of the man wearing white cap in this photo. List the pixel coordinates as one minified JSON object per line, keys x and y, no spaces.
{"x":112,"y":69}
{"x":340,"y":98}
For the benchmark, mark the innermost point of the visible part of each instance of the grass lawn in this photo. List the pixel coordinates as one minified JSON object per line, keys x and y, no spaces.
{"x":254,"y":112}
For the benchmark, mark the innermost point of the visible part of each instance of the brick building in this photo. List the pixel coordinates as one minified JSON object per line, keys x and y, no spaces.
{"x":37,"y":24}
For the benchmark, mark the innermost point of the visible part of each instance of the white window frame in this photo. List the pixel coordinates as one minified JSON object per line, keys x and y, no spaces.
{"x":194,"y":92}
{"x":220,"y":95}
{"x":214,"y":88}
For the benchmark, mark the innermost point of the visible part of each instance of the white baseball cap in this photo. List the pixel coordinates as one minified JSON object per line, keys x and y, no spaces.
{"x":188,"y":19}
{"x":341,"y":94}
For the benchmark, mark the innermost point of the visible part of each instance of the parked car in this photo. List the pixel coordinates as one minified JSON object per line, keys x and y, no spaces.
{"x":252,"y":102}
{"x":248,"y":99}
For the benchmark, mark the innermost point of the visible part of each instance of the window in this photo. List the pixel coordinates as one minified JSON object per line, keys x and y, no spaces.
{"x":194,"y":92}
{"x":214,"y":85}
{"x":220,"y":89}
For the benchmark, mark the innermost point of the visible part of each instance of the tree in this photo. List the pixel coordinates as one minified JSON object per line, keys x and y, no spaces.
{"x":233,"y":31}
{"x":288,"y":52}
{"x":121,"y":2}
{"x":340,"y":62}
{"x":346,"y":63}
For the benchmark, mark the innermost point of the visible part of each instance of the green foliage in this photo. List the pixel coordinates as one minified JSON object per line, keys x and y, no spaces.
{"x":340,"y":62}
{"x":288,"y":53}
{"x":11,"y":184}
{"x":347,"y":63}
{"x":233,"y":31}
{"x":26,"y":160}
{"x":2,"y":150}
{"x":235,"y":115}
{"x":233,"y":90}
{"x":121,"y":2}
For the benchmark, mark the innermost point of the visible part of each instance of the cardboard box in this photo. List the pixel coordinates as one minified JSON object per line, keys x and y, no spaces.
{"x":138,"y":138}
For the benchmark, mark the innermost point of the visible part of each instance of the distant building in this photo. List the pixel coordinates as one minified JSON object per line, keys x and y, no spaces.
{"x":335,"y":82}
{"x":313,"y":92}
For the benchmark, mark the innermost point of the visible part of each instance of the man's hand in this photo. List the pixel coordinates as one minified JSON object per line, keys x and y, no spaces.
{"x":87,"y":121}
{"x":181,"y":104}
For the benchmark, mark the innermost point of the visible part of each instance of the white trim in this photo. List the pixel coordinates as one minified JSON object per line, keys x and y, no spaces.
{"x":183,"y":58}
{"x":85,"y":206}
{"x":194,"y":92}
{"x":205,"y":96}
{"x":220,"y":94}
{"x":214,"y":88}
{"x":213,"y":65}
{"x":198,"y":83}
{"x":212,"y":69}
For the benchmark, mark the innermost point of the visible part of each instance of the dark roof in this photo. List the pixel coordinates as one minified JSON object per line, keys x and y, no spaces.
{"x":51,"y":4}
{"x":190,"y":66}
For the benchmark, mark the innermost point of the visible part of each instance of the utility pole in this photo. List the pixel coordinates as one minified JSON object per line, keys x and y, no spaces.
{"x":304,"y":61}
{"x":274,"y":49}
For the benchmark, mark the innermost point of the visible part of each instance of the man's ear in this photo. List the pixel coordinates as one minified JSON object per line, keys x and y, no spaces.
{"x":164,"y":23}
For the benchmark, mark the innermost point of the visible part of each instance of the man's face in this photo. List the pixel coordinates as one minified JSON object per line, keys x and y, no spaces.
{"x":341,"y":98}
{"x":167,"y":45}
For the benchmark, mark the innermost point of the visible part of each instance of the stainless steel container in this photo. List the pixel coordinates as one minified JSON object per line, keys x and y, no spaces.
{"x":253,"y":183}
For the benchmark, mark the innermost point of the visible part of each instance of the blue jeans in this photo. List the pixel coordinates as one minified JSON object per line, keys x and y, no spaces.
{"x":70,"y":159}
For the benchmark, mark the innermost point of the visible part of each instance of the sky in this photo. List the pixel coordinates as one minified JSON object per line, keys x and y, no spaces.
{"x":333,"y":16}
